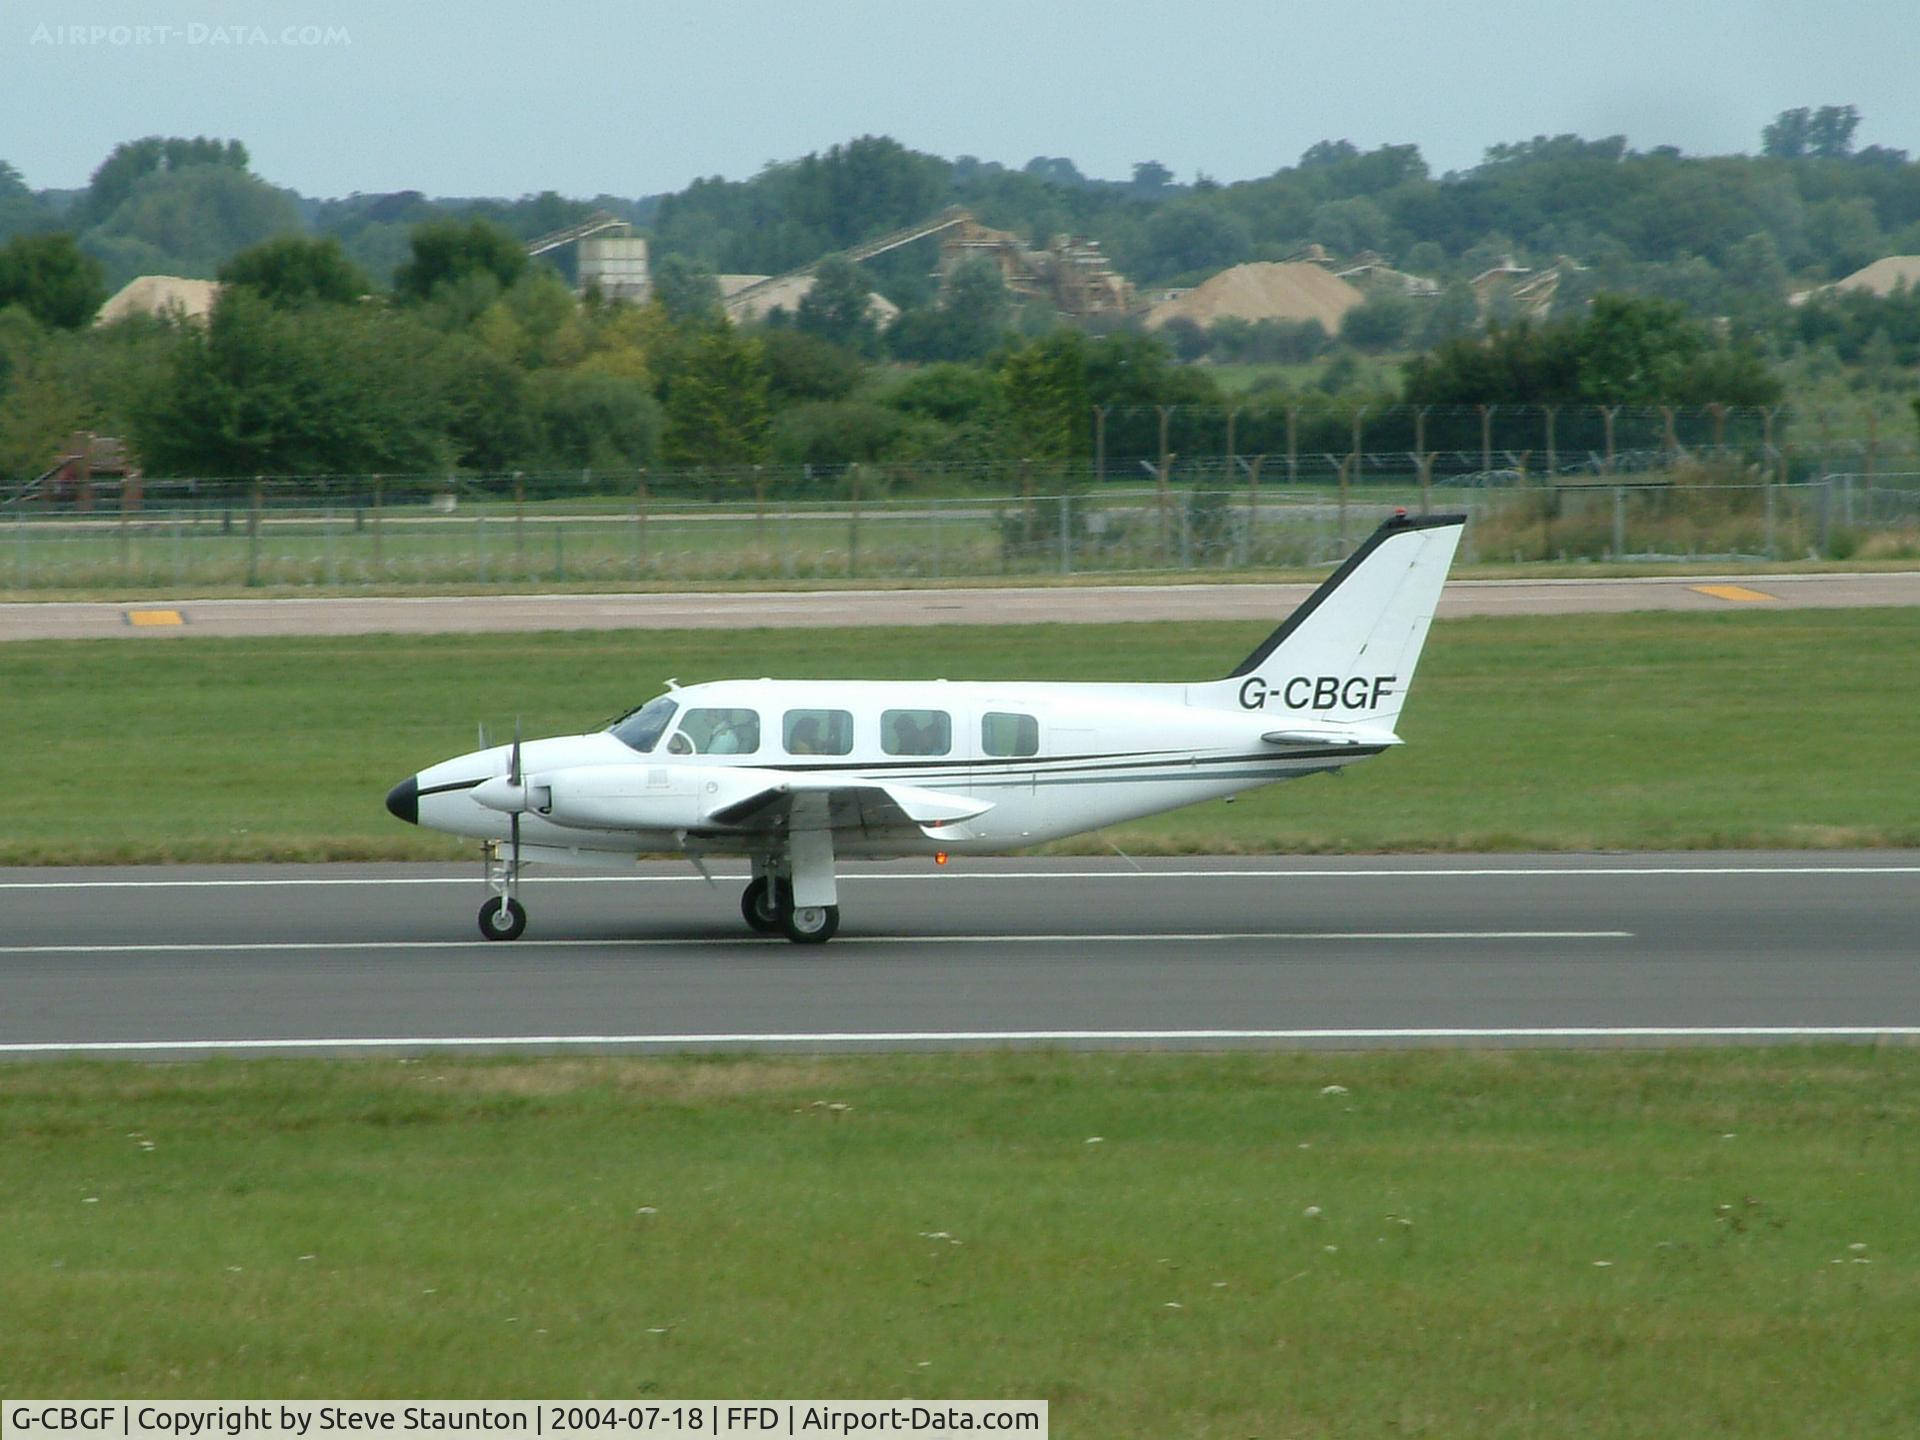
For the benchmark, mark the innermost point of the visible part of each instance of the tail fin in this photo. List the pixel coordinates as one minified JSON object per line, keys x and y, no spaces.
{"x":1344,"y":659}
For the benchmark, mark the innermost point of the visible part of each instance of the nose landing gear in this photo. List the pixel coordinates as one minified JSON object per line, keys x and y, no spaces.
{"x":503,"y":917}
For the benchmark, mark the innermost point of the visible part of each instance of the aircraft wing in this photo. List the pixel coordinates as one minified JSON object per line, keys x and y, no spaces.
{"x":826,"y":802}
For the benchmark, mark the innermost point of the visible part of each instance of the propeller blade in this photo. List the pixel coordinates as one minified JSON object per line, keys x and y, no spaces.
{"x":482,"y":735}
{"x":513,"y":764}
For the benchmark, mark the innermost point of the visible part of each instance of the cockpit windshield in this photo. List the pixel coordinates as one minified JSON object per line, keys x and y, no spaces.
{"x":641,"y":729}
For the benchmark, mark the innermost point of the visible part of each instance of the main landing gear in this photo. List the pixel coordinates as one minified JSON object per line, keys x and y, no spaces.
{"x":767,"y":905}
{"x":793,"y":892}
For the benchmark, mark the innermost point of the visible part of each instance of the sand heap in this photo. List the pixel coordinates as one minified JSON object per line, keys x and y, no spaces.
{"x":1292,"y":290}
{"x":160,"y":295}
{"x":1883,"y":275}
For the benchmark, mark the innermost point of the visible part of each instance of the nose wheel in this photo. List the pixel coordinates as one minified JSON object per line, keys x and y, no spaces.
{"x":503,"y":919}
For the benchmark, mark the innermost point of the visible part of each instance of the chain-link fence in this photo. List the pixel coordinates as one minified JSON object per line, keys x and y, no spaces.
{"x":533,"y":531}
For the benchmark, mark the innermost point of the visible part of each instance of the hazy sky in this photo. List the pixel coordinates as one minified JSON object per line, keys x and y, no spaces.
{"x":586,"y":96}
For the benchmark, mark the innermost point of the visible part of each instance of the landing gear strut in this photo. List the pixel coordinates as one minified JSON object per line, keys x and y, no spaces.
{"x":503,"y":917}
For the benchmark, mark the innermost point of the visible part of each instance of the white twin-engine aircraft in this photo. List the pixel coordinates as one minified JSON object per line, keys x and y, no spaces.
{"x":794,"y":774}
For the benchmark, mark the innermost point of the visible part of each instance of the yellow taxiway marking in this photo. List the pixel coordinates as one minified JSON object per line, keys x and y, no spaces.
{"x":155,"y":617}
{"x":1732,"y":592}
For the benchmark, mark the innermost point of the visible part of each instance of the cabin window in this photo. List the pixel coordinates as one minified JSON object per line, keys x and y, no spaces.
{"x":1005,"y":734}
{"x":722,"y":732}
{"x":916,"y":732}
{"x":818,"y":732}
{"x":642,"y":728}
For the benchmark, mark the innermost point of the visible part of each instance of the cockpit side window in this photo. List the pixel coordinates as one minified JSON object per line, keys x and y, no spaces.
{"x":641,"y":729}
{"x":722,"y":732}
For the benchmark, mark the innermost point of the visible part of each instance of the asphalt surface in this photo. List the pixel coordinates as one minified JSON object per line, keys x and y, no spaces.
{"x":342,"y":615}
{"x":1215,"y":953}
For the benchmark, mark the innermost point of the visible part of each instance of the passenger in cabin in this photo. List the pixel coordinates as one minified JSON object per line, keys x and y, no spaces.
{"x":806,"y":737}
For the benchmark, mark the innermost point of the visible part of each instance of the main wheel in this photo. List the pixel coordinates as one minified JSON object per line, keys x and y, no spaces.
{"x":760,"y":905}
{"x":502,"y":919}
{"x":810,"y":924}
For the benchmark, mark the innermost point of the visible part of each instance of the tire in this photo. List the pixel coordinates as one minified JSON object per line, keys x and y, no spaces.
{"x":810,"y":924}
{"x":496,"y":925}
{"x":760,"y":905}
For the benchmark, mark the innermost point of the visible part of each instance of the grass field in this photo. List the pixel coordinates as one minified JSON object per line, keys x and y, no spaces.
{"x":1509,"y":1244}
{"x":1580,"y":732}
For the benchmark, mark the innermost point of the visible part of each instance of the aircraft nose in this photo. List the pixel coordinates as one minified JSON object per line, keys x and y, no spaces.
{"x":403,"y":801}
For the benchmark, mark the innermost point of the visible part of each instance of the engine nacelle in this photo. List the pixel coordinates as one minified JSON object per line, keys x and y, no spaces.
{"x":642,"y":797}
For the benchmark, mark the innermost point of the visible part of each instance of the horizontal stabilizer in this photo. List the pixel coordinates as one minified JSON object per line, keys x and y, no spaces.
{"x":1328,"y":737}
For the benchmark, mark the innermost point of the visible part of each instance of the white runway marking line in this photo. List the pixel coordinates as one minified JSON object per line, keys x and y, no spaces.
{"x":229,"y":946}
{"x":1474,"y":873}
{"x":858,"y":1038}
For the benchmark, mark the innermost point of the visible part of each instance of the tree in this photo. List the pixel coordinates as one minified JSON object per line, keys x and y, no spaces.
{"x":134,"y":160}
{"x":686,"y":289}
{"x":1825,"y":134}
{"x":607,"y":422}
{"x":716,"y":402}
{"x":802,"y":368}
{"x":326,"y":390}
{"x":1380,"y":322}
{"x":1045,"y":389}
{"x":52,"y":279}
{"x":192,"y":219}
{"x":837,"y":308}
{"x":446,"y":251}
{"x":1455,"y":311}
{"x":1150,"y":177}
{"x":968,"y":322}
{"x":297,"y":270}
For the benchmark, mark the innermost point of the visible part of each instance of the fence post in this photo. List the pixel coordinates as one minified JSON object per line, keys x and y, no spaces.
{"x":179,"y":555}
{"x":1873,"y":456}
{"x":126,"y":537}
{"x":1670,"y":440}
{"x":1233,"y":414}
{"x":853,"y":522}
{"x":1425,"y":462}
{"x":20,"y":549}
{"x":1100,"y":413}
{"x":1619,"y":523}
{"x":1293,"y":445}
{"x":1358,"y":417}
{"x":1772,"y":553}
{"x":379,"y":545}
{"x":938,"y":558}
{"x":1066,"y":535}
{"x":1553,"y":450}
{"x":1826,"y":513}
{"x":1253,"y":506}
{"x":1343,"y":506}
{"x":1160,"y":484}
{"x":253,"y":535}
{"x":1486,"y":436}
{"x":332,"y":563}
{"x":1607,"y":416}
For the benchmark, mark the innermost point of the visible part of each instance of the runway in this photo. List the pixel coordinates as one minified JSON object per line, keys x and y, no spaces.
{"x":1538,"y":950}
{"x":162,"y":616}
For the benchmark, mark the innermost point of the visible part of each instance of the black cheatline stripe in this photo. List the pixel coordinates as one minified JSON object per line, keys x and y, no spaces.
{"x":1044,"y":766}
{"x":1398,"y":525}
{"x":450,"y":785}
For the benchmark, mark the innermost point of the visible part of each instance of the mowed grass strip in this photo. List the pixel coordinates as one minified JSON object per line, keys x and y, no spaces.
{"x":1572,"y":732}
{"x":1709,"y":1242}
